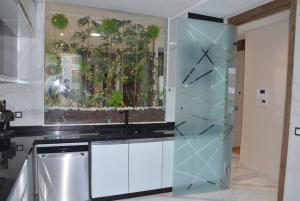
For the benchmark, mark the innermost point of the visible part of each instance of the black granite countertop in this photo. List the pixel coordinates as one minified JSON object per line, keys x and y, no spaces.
{"x":88,"y":137}
{"x":71,"y":134}
{"x":27,"y":137}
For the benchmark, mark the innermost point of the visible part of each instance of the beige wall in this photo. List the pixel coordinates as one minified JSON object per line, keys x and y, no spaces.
{"x":240,"y":66}
{"x":265,"y":68}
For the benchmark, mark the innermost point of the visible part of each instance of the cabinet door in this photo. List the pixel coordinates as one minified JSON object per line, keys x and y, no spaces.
{"x":167,"y":167}
{"x":145,"y":166}
{"x":109,"y":169}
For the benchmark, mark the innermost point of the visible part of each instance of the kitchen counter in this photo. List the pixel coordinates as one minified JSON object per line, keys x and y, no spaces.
{"x":5,"y":187}
{"x":24,"y":138}
{"x":88,"y":137}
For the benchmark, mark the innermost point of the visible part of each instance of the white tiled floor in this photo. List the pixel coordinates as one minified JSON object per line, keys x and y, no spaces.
{"x":247,"y":185}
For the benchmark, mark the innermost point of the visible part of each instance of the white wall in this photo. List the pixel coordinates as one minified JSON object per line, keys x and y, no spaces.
{"x":171,"y":71}
{"x":265,"y":68}
{"x":292,"y":182}
{"x":29,"y":98}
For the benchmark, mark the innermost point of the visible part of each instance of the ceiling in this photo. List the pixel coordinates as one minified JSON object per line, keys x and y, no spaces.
{"x":170,"y":8}
{"x":226,"y":8}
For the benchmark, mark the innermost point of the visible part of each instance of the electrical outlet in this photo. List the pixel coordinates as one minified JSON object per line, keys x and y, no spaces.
{"x":297,"y":131}
{"x":18,"y":115}
{"x":20,"y":148}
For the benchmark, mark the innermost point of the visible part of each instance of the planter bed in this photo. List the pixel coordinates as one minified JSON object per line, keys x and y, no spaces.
{"x":71,"y":116}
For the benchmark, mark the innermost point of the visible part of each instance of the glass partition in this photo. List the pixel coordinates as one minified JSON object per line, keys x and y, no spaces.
{"x":100,"y":62}
{"x":204,"y":111}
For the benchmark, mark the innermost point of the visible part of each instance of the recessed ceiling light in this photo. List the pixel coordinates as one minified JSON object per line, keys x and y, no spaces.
{"x":61,"y":34}
{"x":95,"y":34}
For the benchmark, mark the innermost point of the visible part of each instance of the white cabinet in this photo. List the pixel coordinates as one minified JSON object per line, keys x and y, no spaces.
{"x":145,"y":165}
{"x":122,"y":167}
{"x":167,"y":166}
{"x":109,"y":168}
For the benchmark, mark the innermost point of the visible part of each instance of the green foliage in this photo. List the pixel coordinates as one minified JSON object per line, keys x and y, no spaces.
{"x":80,"y":35}
{"x":61,"y":46}
{"x":87,"y":101}
{"x":51,"y":100}
{"x":109,"y":26}
{"x":115,"y":100}
{"x":153,"y":31}
{"x":55,"y":58}
{"x":59,"y":21}
{"x":83,"y":21}
{"x":116,"y":68}
{"x":98,"y":99}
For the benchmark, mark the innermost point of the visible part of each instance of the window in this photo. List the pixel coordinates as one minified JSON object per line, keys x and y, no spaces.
{"x":100,"y":62}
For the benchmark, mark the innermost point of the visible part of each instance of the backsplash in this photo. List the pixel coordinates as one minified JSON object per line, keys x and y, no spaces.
{"x":8,"y":51}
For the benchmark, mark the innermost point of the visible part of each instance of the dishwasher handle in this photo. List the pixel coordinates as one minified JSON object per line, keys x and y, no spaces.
{"x":64,"y":155}
{"x":62,"y":149}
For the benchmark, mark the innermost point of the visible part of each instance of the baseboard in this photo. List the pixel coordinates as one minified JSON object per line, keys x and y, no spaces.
{"x":132,"y":195}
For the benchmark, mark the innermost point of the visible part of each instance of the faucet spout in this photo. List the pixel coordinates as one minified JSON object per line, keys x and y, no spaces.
{"x":126,"y":118}
{"x":126,"y":122}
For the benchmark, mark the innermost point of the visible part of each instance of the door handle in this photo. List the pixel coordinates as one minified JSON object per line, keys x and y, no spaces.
{"x":62,"y":155}
{"x":236,"y":108}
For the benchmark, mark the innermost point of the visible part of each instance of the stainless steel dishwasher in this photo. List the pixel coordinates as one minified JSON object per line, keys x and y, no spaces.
{"x":63,"y":172}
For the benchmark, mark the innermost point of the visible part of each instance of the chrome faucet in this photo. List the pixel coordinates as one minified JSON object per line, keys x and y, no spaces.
{"x":126,"y":122}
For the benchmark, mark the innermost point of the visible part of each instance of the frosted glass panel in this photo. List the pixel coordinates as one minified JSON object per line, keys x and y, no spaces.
{"x":204,"y":111}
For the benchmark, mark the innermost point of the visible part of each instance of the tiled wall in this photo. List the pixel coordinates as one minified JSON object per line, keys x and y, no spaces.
{"x":8,"y":45}
{"x":28,"y":98}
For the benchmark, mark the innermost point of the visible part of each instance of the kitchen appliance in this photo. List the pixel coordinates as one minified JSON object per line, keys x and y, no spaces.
{"x":6,"y":116}
{"x":63,"y":172}
{"x":7,"y":149}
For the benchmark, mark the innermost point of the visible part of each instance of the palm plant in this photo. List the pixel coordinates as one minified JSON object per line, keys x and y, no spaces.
{"x":58,"y":21}
{"x":86,"y":26}
{"x":109,"y":30}
{"x":137,"y":43}
{"x":153,"y":33}
{"x":124,"y":34}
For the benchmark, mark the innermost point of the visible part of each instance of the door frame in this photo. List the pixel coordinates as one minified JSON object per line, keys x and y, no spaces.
{"x":240,"y":47}
{"x":258,"y":13}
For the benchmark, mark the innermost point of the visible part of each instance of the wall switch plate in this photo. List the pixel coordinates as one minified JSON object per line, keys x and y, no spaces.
{"x":18,"y":115}
{"x":297,"y":131}
{"x":261,"y":94}
{"x":262,"y":91}
{"x":20,"y":148}
{"x":262,"y":98}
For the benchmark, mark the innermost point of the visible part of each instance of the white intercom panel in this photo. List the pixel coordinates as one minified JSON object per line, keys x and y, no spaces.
{"x":262,"y":98}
